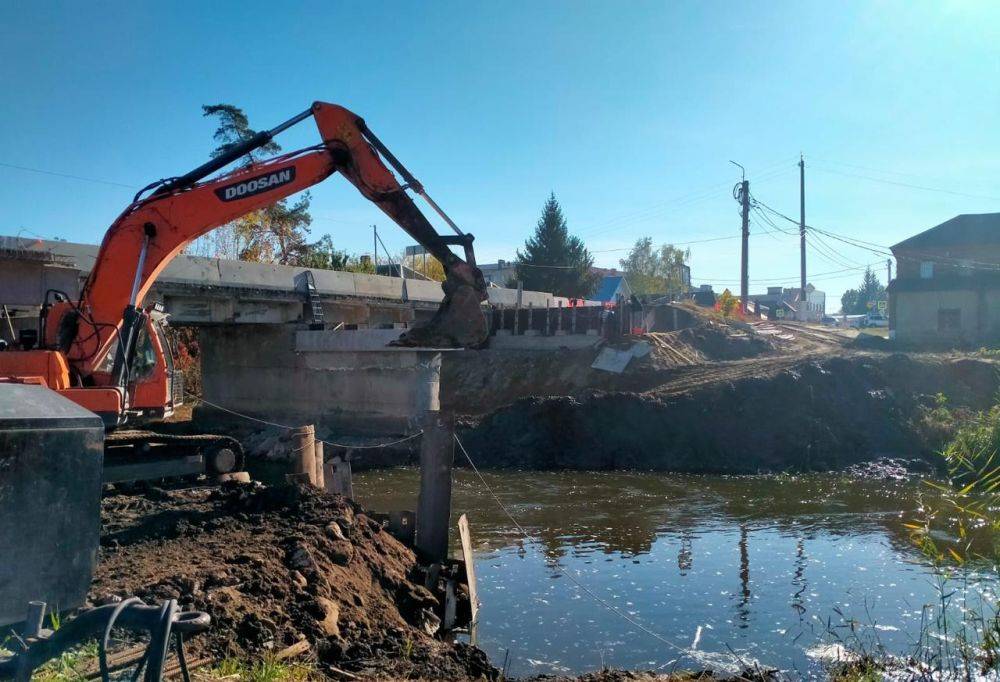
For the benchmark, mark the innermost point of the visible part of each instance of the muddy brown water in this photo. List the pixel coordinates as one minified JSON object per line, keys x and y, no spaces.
{"x":726,"y":571}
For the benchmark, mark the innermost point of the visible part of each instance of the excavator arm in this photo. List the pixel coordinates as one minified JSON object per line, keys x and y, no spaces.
{"x":157,"y":227}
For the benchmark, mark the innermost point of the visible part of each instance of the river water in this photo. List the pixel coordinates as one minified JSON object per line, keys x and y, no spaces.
{"x":723,"y":571}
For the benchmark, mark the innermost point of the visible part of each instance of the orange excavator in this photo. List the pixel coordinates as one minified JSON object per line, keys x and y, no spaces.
{"x":108,"y":354}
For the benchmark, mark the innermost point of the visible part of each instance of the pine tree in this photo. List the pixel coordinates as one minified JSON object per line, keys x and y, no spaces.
{"x":860,"y":301}
{"x":553,"y":260}
{"x":275,"y":234}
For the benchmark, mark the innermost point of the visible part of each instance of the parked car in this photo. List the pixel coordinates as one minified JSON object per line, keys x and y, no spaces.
{"x":875,"y":319}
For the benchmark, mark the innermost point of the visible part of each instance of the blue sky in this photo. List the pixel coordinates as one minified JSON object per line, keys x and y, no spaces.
{"x":628,"y":111}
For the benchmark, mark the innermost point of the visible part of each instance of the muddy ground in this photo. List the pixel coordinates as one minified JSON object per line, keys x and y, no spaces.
{"x":779,"y":414}
{"x":285,"y":568}
{"x":721,"y":397}
{"x":278,"y":566}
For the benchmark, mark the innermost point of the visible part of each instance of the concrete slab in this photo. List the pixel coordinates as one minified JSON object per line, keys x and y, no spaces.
{"x":612,"y":360}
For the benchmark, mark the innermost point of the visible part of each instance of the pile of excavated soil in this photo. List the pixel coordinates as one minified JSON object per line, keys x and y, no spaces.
{"x":276,"y":566}
{"x":477,"y":382}
{"x":717,"y":341}
{"x":746,"y":417}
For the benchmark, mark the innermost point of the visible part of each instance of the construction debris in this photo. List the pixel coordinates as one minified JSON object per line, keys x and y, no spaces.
{"x":279,"y":566}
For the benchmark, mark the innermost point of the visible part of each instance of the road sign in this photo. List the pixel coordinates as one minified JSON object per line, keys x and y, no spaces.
{"x":882,"y":306}
{"x":415,"y":250}
{"x":780,"y":312}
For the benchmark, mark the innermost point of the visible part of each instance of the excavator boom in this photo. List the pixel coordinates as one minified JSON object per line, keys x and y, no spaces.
{"x":155,"y":228}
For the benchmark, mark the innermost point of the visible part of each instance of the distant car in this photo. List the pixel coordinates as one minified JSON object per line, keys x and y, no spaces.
{"x":875,"y":319}
{"x":831,"y":321}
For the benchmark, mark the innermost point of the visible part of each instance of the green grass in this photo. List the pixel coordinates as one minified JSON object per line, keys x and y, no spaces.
{"x":69,"y":667}
{"x":266,"y":669}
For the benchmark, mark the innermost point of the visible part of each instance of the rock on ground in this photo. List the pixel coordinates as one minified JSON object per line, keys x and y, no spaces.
{"x":277,"y":565}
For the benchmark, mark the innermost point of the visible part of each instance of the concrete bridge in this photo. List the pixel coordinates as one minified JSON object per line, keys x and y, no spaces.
{"x":210,"y":291}
{"x":259,"y":355}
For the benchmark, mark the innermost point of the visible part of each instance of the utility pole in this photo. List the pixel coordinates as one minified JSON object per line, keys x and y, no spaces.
{"x":375,"y":245}
{"x":888,"y":271}
{"x":745,"y":254}
{"x":802,"y":237}
{"x":742,"y":194}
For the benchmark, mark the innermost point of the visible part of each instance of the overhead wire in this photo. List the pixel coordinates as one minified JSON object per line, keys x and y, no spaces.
{"x":659,"y":208}
{"x":57,"y":174}
{"x":295,"y":428}
{"x":905,"y":184}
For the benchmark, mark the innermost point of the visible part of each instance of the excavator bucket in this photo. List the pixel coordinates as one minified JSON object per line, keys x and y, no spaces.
{"x":459,"y":323}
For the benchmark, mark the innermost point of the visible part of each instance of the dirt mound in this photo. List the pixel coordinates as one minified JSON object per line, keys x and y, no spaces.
{"x":478,"y":382}
{"x":808,"y":416}
{"x":278,"y":565}
{"x":724,"y":342}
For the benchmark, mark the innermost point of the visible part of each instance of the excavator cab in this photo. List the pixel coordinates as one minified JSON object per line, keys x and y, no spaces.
{"x":156,"y":386}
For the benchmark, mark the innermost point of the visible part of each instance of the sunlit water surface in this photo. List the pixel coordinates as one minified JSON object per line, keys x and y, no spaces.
{"x":729,"y":570}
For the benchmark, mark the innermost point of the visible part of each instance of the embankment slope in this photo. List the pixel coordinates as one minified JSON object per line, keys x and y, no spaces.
{"x":775,"y":414}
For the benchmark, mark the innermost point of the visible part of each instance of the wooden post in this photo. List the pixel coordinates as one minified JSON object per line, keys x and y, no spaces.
{"x":437,"y":454}
{"x":304,"y":453}
{"x":548,"y":309}
{"x":559,"y":329}
{"x":517,"y":307}
{"x":320,"y":481}
{"x":572,"y":320}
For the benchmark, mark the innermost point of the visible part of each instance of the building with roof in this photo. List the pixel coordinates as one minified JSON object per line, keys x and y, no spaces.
{"x":611,"y":287}
{"x":785,"y":303}
{"x":947,"y":285}
{"x":500,"y":273}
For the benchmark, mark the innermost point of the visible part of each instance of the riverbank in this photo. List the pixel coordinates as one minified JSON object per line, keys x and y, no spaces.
{"x":285,"y":572}
{"x":751,"y":416}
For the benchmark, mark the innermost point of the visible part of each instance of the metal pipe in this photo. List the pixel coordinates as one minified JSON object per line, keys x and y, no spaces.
{"x":414,"y":184}
{"x":138,"y":271}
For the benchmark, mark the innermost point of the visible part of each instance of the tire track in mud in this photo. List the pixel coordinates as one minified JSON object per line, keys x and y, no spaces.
{"x":687,"y":379}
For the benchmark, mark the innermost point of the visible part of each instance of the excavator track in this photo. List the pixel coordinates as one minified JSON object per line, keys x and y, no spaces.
{"x":139,"y":455}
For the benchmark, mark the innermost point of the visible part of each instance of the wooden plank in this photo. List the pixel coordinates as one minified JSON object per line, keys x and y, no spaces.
{"x":470,"y":573}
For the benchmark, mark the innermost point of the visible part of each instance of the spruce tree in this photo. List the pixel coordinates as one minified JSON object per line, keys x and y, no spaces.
{"x":553,"y":260}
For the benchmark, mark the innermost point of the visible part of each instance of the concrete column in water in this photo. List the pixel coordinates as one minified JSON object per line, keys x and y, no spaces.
{"x":437,"y":454}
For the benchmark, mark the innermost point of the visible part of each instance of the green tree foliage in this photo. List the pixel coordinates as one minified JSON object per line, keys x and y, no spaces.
{"x":871,"y":291}
{"x":553,"y":260}
{"x":655,"y":271}
{"x":322,"y":255}
{"x":275,"y":234}
{"x":234,"y":128}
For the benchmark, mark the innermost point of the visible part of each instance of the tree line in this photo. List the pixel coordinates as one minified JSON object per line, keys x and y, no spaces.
{"x":551,"y":260}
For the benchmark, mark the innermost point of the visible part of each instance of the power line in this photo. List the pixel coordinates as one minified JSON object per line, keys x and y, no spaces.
{"x":882,"y":171}
{"x":686,"y":199}
{"x":67,"y":175}
{"x":885,"y":251}
{"x":907,"y":184}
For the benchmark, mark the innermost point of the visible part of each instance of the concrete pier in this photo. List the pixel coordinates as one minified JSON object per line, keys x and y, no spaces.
{"x":347,"y":381}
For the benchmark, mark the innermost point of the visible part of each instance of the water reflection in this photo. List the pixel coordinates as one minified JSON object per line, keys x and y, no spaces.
{"x":753,"y":565}
{"x":743,"y":608}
